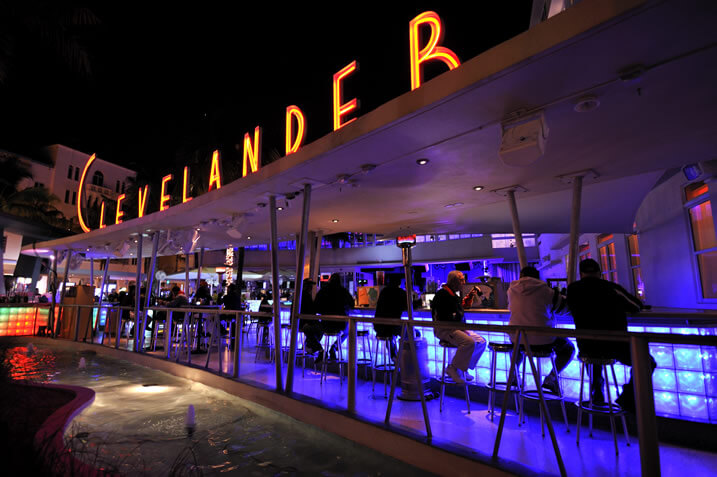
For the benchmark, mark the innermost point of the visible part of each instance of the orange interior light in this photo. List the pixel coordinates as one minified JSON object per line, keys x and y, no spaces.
{"x":84,"y":227}
{"x":294,"y":112}
{"x":251,"y":152}
{"x":215,"y":177}
{"x":185,"y":185}
{"x":340,"y":109}
{"x":102,"y":215}
{"x":120,"y":213}
{"x":164,"y":198}
{"x":431,"y":51}
{"x":142,"y":200}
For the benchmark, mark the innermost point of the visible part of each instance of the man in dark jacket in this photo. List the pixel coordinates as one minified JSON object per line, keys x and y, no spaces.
{"x":391,"y":304}
{"x":598,"y":304}
{"x":334,"y":299}
{"x":311,"y":328}
{"x":448,"y":306}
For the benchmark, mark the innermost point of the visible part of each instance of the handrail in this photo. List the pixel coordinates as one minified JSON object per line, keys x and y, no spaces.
{"x":638,"y":343}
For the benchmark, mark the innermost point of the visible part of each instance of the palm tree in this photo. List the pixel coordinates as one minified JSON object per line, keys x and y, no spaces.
{"x":13,"y":172}
{"x":46,"y":23}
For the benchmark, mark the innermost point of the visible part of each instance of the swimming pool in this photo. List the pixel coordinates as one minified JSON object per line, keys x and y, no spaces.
{"x":136,"y":425}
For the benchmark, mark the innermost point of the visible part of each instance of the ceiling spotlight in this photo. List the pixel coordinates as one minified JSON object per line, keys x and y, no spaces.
{"x":280,"y":208}
{"x":335,"y":220}
{"x":586,"y":104}
{"x":477,"y":187}
{"x":249,"y":237}
{"x":422,"y":162}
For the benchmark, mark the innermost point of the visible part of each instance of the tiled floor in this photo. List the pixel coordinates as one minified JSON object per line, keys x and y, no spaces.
{"x":474,"y":433}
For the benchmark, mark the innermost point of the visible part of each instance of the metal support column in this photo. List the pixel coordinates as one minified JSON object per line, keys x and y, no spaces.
{"x":409,"y":335}
{"x":516,"y":229}
{"x":53,"y":288}
{"x":150,"y":285}
{"x":275,"y":293}
{"x":574,"y":228}
{"x":199,"y":269}
{"x":644,"y":399}
{"x":298,"y":288}
{"x":64,"y":287}
{"x":352,"y":368}
{"x":102,"y":292}
{"x":315,"y":256}
{"x":186,"y":275}
{"x":92,"y":272}
{"x":137,"y":292}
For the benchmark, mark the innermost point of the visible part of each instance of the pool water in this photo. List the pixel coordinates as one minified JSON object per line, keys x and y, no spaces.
{"x":136,"y":425}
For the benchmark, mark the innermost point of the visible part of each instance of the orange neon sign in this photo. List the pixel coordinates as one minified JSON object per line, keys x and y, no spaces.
{"x":215,"y":176}
{"x":142,"y":200}
{"x":252,"y":152}
{"x":102,"y":215}
{"x":294,"y":112}
{"x":84,"y":227}
{"x":185,"y":185}
{"x":340,"y":110}
{"x":428,"y":23}
{"x":120,"y":212}
{"x":431,"y":51}
{"x":164,"y":198}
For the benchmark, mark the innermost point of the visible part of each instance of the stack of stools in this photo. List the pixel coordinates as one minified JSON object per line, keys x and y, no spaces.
{"x":494,"y":386}
{"x":525,"y":393}
{"x":365,"y":347}
{"x":382,"y":361}
{"x":266,"y":345}
{"x":339,"y":356}
{"x":608,"y":409}
{"x":446,"y":380}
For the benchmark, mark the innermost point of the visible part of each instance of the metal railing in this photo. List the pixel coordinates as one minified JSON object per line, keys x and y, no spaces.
{"x":642,"y":377}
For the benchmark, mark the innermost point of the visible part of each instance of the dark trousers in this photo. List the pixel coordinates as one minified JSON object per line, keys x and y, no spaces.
{"x":313,"y":333}
{"x":563,"y":349}
{"x":628,"y":389}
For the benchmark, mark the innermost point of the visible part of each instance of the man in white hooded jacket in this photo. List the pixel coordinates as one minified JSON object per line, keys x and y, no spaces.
{"x":532,"y":303}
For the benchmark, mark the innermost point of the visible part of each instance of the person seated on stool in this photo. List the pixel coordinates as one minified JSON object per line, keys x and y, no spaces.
{"x":311,"y":328}
{"x":532,"y":303}
{"x":391,"y":304}
{"x":334,"y":299}
{"x":598,"y":304}
{"x":448,"y":306}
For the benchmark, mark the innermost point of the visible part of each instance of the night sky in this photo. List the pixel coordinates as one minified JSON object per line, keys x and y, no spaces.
{"x":166,"y":81}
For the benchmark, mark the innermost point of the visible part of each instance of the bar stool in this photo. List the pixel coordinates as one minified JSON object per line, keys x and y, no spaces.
{"x":610,"y":410}
{"x":493,"y":385}
{"x":264,"y":329}
{"x":382,"y":361}
{"x":339,"y":356}
{"x":446,"y":345}
{"x":286,"y":345}
{"x":549,"y":395}
{"x":363,"y":360}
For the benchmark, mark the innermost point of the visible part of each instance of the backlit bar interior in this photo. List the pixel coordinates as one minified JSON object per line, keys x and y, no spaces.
{"x":685,"y":381}
{"x":22,"y":320}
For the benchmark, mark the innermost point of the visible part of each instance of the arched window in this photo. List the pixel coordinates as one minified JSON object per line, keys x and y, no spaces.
{"x":98,"y":179}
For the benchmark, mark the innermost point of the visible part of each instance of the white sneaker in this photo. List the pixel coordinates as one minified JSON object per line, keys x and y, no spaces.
{"x":453,"y":374}
{"x":467,"y":376}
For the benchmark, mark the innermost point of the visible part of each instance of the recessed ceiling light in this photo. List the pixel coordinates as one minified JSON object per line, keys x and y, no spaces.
{"x":248,"y":238}
{"x":422,"y":162}
{"x":477,"y":187}
{"x":334,"y":220}
{"x":280,"y":208}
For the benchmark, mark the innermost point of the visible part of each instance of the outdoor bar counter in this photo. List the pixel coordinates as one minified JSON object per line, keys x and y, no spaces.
{"x":685,"y":381}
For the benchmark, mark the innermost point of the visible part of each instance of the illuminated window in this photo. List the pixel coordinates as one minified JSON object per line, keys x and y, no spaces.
{"x":634,"y":249}
{"x":608,"y":262}
{"x":704,"y":241}
{"x":584,"y":252}
{"x":508,"y":240}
